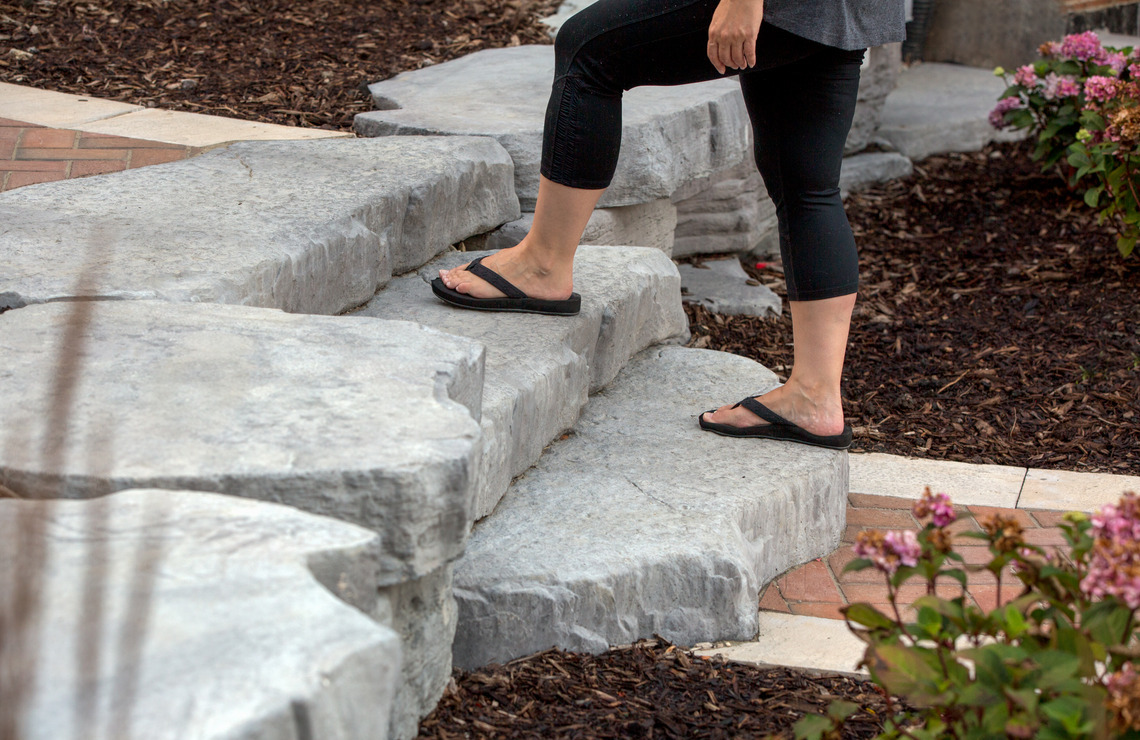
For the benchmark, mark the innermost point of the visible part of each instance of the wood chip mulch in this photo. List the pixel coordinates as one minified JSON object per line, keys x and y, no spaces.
{"x":294,"y":62}
{"x":996,"y":322}
{"x":648,"y":690}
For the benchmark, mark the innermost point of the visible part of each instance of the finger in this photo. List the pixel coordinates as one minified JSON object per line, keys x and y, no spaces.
{"x":750,"y":52}
{"x":739,"y":61}
{"x":714,"y":57}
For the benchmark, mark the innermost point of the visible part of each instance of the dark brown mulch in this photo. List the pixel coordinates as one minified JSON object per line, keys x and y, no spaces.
{"x":996,"y":322}
{"x":298,"y":62}
{"x":649,"y":690}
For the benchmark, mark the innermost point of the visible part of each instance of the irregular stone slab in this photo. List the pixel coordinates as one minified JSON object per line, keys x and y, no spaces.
{"x":671,"y":135}
{"x":727,"y":212}
{"x":938,"y":108}
{"x":367,"y":421}
{"x":201,"y":616}
{"x":541,"y":368}
{"x":862,"y":170}
{"x":645,"y":225}
{"x":877,"y":79}
{"x":641,"y":523}
{"x":307,"y":227}
{"x":722,"y":286}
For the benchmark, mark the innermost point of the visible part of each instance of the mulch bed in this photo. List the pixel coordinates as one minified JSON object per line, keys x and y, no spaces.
{"x":296,"y":62}
{"x":648,"y":690}
{"x":996,"y":322}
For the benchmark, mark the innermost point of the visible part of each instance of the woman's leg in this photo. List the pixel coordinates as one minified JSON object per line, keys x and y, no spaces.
{"x":801,"y":116}
{"x":610,"y":47}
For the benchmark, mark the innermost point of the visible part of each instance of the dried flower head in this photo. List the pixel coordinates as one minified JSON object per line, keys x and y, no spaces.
{"x":1114,"y":563}
{"x":888,"y":550}
{"x":1124,"y":125}
{"x":937,"y":506}
{"x":1124,"y":699}
{"x":1004,"y":531}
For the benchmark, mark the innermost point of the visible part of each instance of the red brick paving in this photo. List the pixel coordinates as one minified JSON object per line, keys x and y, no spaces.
{"x":31,"y":154}
{"x":820,"y":588}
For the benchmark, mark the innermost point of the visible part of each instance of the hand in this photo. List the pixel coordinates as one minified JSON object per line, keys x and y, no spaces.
{"x":732,"y":33}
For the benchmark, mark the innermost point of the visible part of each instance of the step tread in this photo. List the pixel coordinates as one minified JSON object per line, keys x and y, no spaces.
{"x":640,"y":523}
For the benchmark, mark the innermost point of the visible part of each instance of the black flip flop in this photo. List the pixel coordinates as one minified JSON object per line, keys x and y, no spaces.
{"x":515,"y":299}
{"x":777,"y":428}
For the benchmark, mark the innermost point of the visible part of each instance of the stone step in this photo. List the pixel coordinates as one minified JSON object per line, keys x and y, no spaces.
{"x":670,"y":135}
{"x":539,"y":369}
{"x":173,"y":614}
{"x":307,"y":227}
{"x":369,"y":421}
{"x":640,"y":523}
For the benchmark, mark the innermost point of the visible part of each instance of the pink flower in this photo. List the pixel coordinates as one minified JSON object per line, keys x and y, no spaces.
{"x":1101,"y":89}
{"x":888,"y":551}
{"x":1026,"y":76}
{"x":1057,"y":86}
{"x":997,"y":115}
{"x":1114,"y":59}
{"x":1082,"y":46}
{"x":1134,"y":71}
{"x":937,"y":506}
{"x":1050,"y":49}
{"x":1114,"y":565}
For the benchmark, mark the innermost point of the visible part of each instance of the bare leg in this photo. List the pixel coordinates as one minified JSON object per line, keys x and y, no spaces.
{"x":810,"y":398}
{"x":542,"y":264}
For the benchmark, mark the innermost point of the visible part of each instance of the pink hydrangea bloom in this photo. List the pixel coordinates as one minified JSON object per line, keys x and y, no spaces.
{"x":1050,"y":49}
{"x":1101,"y":89}
{"x":937,"y":506}
{"x":1113,"y":59}
{"x":1057,"y":86}
{"x":1134,"y":71}
{"x":1082,"y":46}
{"x":1026,"y":76}
{"x":888,"y":551}
{"x":904,"y":544}
{"x":997,"y":115}
{"x":1114,"y":565}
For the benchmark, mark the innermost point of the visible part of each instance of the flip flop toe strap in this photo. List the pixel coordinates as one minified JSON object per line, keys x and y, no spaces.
{"x":477,"y":269}
{"x":764,"y":412}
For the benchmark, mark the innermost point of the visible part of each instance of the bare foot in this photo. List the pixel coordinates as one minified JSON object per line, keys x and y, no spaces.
{"x":515,"y":265}
{"x":824,"y":419}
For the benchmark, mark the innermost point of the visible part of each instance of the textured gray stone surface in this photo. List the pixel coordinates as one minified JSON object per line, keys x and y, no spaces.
{"x":876,"y":81}
{"x":938,"y":108}
{"x":172,"y":614}
{"x":722,"y":286}
{"x":729,"y":211}
{"x":307,"y":227}
{"x":862,"y":170}
{"x":641,"y":523}
{"x":644,"y":225}
{"x":364,"y":420}
{"x":670,"y":134}
{"x":540,"y":368}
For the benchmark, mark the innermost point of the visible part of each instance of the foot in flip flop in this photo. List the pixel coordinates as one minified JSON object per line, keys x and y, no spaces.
{"x":775,"y":427}
{"x":498,"y":293}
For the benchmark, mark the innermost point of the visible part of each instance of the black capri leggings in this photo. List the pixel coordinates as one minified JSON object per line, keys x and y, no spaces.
{"x":800,"y":98}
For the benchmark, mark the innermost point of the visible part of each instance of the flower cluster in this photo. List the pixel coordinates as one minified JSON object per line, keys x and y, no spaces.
{"x":888,"y":550}
{"x":1124,"y":698}
{"x":1005,"y":105}
{"x":937,"y":506}
{"x":1005,"y":531}
{"x":1114,"y":569}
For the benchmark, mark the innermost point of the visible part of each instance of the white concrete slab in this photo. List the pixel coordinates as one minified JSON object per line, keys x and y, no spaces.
{"x":800,"y":642}
{"x":1063,"y":490}
{"x":58,"y":110}
{"x":967,"y":484}
{"x":198,"y":130}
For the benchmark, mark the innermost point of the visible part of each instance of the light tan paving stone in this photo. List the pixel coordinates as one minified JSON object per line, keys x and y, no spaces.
{"x":1063,"y":490}
{"x":198,"y":130}
{"x":801,"y":642}
{"x":967,"y":484}
{"x":58,"y":110}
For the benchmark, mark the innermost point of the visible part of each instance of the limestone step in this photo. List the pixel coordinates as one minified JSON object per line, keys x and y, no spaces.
{"x":670,"y":135}
{"x":312,"y":226}
{"x":173,"y":614}
{"x":640,"y":523}
{"x":539,"y":369}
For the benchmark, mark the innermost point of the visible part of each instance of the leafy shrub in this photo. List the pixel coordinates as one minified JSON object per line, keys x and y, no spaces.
{"x":1055,"y":662}
{"x":1081,"y":101}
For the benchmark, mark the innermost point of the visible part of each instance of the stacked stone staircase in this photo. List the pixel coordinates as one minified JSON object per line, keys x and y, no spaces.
{"x":256,"y":322}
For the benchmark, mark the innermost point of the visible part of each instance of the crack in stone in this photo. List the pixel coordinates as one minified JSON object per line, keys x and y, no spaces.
{"x":650,"y":495}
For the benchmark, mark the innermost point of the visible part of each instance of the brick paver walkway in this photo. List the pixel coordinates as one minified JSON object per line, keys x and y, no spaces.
{"x":820,"y":588}
{"x":32,"y":154}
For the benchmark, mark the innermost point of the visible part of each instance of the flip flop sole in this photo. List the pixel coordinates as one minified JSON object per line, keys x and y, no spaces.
{"x":569,"y":307}
{"x":779,"y":432}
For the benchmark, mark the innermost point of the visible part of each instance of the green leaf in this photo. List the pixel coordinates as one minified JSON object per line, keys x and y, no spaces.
{"x":858,"y":564}
{"x":906,"y":671}
{"x":868,"y":616}
{"x":1015,"y":625}
{"x":1092,"y":196}
{"x":841,"y":710}
{"x":1125,"y":245}
{"x":811,"y":727}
